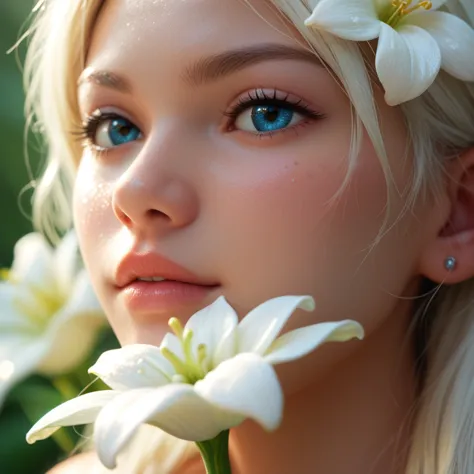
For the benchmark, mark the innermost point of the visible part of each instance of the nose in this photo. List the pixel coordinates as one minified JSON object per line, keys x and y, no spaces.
{"x":156,"y":192}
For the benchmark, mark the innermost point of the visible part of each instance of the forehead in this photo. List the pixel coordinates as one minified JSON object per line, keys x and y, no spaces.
{"x":161,"y":29}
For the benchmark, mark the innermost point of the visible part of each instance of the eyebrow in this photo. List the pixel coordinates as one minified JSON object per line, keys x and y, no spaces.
{"x":212,"y":68}
{"x":104,"y":79}
{"x":216,"y":67}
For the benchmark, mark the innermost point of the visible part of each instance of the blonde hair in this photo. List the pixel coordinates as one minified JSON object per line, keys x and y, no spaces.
{"x":440,"y":126}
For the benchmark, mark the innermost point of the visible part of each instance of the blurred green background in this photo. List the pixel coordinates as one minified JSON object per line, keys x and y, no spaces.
{"x":13,"y":171}
{"x":16,"y":456}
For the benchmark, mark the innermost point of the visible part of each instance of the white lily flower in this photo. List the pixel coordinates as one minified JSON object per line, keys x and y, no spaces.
{"x":49,"y":315}
{"x":414,"y":40}
{"x":203,"y":379}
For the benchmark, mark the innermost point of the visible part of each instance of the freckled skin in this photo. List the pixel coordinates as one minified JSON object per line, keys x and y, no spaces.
{"x":254,"y":213}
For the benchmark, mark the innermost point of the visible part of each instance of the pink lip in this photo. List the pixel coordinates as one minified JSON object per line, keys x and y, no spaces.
{"x":181,"y":288}
{"x":164,"y":297}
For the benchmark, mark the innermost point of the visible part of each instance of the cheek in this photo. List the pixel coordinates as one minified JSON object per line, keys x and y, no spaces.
{"x":284,"y":209}
{"x":93,"y":217}
{"x":288,"y":229}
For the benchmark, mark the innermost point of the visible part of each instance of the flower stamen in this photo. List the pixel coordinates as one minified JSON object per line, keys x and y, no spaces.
{"x":176,"y":327}
{"x":186,"y":341}
{"x":426,"y":4}
{"x":191,"y":369}
{"x":180,"y":367}
{"x":404,"y":8}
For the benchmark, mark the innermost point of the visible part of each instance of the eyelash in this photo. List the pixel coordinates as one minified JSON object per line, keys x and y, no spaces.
{"x":257,"y":97}
{"x":261,"y":97}
{"x":88,"y":129}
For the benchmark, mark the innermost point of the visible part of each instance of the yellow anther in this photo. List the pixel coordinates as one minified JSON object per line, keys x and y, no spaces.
{"x":426,"y":4}
{"x":176,"y":327}
{"x":405,"y":7}
{"x":4,"y":274}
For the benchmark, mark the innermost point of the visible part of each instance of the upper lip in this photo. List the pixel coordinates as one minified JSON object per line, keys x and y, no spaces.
{"x":134,"y":266}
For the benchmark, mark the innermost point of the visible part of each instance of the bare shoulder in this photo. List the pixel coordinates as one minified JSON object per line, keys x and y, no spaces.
{"x":78,"y":464}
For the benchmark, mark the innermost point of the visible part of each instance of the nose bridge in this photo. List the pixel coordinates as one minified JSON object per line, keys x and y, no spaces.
{"x":157,"y":186}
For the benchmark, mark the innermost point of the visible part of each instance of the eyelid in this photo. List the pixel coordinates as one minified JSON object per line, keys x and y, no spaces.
{"x":120,"y":111}
{"x":263,"y":95}
{"x":92,"y":122}
{"x":111,"y":110}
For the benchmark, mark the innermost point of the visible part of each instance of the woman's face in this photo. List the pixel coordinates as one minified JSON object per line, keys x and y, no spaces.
{"x":226,"y":144}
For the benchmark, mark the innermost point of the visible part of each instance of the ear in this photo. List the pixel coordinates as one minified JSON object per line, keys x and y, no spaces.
{"x":455,"y":238}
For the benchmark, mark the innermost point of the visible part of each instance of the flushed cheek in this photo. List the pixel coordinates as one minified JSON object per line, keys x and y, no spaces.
{"x":275,"y":219}
{"x":294,"y":201}
{"x":93,"y":215}
{"x":285,"y":233}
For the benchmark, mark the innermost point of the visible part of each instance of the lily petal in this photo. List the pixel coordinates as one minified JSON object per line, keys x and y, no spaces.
{"x":226,"y":348}
{"x":455,"y":39}
{"x":33,"y":262}
{"x":66,"y":262}
{"x":18,"y":359}
{"x":82,"y":301}
{"x":354,"y":20}
{"x":73,"y":331}
{"x":11,"y":320}
{"x":69,"y":344}
{"x":133,"y":366}
{"x":176,"y":409}
{"x":78,"y":411}
{"x":435,"y":4}
{"x":211,"y":324}
{"x":258,"y":330}
{"x":302,"y":341}
{"x":246,"y":385}
{"x":407,"y":62}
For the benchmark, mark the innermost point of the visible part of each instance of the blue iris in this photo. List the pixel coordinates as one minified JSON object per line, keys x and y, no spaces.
{"x":122,"y":131}
{"x":268,"y":118}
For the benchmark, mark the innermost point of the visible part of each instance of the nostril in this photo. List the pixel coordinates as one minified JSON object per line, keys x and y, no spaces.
{"x":123,"y":218}
{"x":154,"y":213}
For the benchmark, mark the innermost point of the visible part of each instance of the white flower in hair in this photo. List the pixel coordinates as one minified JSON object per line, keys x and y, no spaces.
{"x":204,"y":379}
{"x":414,"y":40}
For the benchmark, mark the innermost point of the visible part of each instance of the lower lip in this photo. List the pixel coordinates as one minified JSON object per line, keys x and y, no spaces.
{"x":163,"y":297}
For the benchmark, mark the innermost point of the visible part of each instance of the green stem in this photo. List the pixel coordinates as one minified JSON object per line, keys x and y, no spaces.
{"x":215,"y":454}
{"x":65,"y":387}
{"x":61,"y":438}
{"x":64,"y":441}
{"x":68,"y":390}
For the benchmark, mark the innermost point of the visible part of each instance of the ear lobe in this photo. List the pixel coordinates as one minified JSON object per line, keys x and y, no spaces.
{"x":455,"y":239}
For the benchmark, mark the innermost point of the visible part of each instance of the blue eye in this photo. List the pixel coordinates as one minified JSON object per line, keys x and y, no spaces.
{"x":268,"y":118}
{"x":263,"y":112}
{"x":110,"y":131}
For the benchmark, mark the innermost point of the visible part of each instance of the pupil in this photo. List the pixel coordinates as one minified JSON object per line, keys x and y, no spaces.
{"x":124,"y":131}
{"x":271,"y":113}
{"x":121,"y":128}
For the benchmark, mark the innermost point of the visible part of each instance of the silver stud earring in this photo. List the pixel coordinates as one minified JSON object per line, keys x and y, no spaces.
{"x":450,"y":264}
